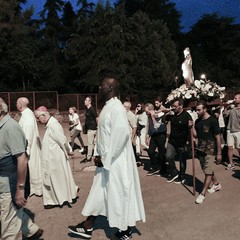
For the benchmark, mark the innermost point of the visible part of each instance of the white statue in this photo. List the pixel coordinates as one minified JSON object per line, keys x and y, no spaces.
{"x":187,"y":68}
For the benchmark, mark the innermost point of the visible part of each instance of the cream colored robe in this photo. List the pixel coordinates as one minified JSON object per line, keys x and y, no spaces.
{"x":29,"y":125}
{"x":116,"y":191}
{"x":58,"y":182}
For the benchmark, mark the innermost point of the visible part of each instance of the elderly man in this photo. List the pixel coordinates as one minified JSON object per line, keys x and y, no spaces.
{"x":132,"y":120}
{"x":14,"y":184}
{"x":29,"y":125}
{"x":157,"y":133}
{"x":116,"y":191}
{"x":58,"y":183}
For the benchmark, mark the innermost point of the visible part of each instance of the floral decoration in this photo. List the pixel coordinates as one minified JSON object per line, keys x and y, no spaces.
{"x":199,"y":90}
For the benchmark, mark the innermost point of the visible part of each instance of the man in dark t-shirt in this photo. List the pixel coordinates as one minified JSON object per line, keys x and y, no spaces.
{"x":90,"y":127}
{"x":207,"y":132}
{"x":180,"y":123}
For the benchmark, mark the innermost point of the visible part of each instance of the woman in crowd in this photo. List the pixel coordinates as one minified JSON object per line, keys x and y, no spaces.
{"x":75,"y":128}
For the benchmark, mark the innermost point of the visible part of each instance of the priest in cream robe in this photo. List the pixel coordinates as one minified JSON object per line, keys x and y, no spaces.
{"x":29,"y":125}
{"x":58,"y":184}
{"x":116,"y":191}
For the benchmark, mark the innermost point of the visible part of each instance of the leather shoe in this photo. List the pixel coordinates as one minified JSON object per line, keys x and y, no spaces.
{"x":36,"y":235}
{"x":50,"y":206}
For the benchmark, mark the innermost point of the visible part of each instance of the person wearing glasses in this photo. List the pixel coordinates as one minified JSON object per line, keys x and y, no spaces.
{"x":58,"y":183}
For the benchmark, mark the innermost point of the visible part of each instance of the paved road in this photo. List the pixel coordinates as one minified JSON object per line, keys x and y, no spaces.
{"x":170,"y":208}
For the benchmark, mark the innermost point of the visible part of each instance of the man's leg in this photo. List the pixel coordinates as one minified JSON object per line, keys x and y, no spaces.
{"x":161,"y":152}
{"x":207,"y":182}
{"x":207,"y":164}
{"x":80,"y":140}
{"x":216,"y":186}
{"x":230,"y":154}
{"x":29,"y":228}
{"x":170,"y":163}
{"x":11,"y":218}
{"x":182,"y":156}
{"x":230,"y":142}
{"x":152,"y":155}
{"x":90,"y":138}
{"x":143,"y":138}
{"x":138,"y":147}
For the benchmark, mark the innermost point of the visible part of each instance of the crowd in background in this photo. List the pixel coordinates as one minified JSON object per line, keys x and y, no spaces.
{"x":167,"y":135}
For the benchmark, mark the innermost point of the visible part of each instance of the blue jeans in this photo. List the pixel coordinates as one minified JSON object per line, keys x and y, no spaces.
{"x":171,"y":153}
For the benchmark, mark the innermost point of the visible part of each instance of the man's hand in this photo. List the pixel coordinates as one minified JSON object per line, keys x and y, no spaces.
{"x":97,"y":161}
{"x":20,"y":199}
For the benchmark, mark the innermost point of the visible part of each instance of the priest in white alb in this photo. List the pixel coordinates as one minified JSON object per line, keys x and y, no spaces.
{"x":29,"y":125}
{"x":58,"y":184}
{"x":116,"y":191}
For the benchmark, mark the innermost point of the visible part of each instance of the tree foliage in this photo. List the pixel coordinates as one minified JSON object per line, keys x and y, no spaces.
{"x":216,"y":49}
{"x":137,"y":41}
{"x":163,"y":10}
{"x":19,"y":63}
{"x":135,"y":49}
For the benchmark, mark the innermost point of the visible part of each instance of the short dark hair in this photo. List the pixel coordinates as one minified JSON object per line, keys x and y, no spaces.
{"x":203,"y":103}
{"x":158,"y":98}
{"x":179,"y":100}
{"x":90,"y":98}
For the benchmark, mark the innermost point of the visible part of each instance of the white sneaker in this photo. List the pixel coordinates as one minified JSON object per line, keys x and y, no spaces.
{"x":214,"y":188}
{"x":230,"y":166}
{"x":200,"y":199}
{"x":81,"y":150}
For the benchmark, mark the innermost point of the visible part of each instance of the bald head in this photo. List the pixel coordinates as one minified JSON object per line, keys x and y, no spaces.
{"x":22,"y":103}
{"x":42,"y":114}
{"x":109,"y":88}
{"x":127,"y":105}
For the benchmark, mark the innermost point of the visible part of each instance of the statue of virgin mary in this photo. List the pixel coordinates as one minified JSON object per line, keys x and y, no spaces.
{"x":187,"y":68}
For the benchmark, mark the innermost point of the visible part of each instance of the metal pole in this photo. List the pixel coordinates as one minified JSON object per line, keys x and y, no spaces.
{"x":193,"y":164}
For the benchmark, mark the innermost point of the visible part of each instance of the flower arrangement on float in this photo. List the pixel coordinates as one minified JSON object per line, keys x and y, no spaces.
{"x":199,"y":90}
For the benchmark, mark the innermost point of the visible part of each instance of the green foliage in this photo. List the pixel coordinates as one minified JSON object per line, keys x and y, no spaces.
{"x":163,"y":10}
{"x":215,"y":49}
{"x":19,"y":56}
{"x":134,"y":49}
{"x":71,"y":51}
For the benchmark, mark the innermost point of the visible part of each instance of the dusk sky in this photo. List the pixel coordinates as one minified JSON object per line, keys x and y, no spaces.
{"x":191,"y":10}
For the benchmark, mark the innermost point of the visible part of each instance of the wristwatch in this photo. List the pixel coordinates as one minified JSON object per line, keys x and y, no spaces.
{"x":21,"y":187}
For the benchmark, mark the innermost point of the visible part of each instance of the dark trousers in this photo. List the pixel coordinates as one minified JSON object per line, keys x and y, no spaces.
{"x":157,"y":141}
{"x":171,"y":153}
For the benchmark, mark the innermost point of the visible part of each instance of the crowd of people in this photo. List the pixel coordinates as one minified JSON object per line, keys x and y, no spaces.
{"x":115,"y":142}
{"x":211,"y":133}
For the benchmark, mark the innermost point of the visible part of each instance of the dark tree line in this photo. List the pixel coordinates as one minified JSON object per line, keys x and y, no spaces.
{"x":139,"y":42}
